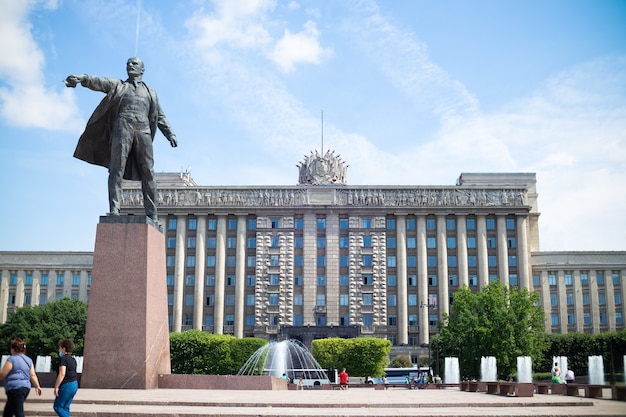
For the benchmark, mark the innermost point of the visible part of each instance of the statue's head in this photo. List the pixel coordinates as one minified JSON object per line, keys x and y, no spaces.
{"x":134,"y":67}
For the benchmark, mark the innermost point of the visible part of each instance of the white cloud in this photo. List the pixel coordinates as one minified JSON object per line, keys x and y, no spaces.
{"x":293,"y":48}
{"x":25,"y":101}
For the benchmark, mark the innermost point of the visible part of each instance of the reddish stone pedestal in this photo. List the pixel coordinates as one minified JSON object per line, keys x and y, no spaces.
{"x":127,"y":335}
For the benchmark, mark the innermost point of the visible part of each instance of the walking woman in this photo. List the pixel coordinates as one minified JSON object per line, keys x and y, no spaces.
{"x":18,"y":373}
{"x":66,"y":384}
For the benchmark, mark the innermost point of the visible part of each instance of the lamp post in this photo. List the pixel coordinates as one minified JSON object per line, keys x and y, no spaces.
{"x":427,"y":306}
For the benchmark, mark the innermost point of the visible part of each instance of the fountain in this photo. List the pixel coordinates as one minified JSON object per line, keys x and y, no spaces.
{"x":288,"y":357}
{"x":43,"y":364}
{"x":451,"y":373}
{"x":488,"y":369}
{"x":562,"y":361}
{"x":596,"y":370}
{"x":524,"y":369}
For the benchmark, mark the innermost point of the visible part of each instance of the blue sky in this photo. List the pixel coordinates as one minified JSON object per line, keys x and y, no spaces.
{"x":413,"y":92}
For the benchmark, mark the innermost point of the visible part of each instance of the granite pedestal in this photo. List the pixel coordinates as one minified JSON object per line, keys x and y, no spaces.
{"x":127,"y":335}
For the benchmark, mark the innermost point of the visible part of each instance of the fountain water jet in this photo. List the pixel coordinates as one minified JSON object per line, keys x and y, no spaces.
{"x":596,"y":370}
{"x":488,"y":369}
{"x":287,"y":357}
{"x":451,"y":373}
{"x":524,"y":369}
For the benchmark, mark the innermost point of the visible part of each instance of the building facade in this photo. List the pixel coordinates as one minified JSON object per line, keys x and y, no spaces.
{"x":323,"y":258}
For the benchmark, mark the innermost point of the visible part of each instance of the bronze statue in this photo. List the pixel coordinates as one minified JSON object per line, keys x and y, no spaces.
{"x":120,"y":132}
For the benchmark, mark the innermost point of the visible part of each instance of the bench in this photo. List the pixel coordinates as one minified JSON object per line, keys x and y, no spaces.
{"x":543,"y":387}
{"x":492,"y":387}
{"x":594,"y":391}
{"x":477,"y":386}
{"x":510,"y":388}
{"x":572,"y":389}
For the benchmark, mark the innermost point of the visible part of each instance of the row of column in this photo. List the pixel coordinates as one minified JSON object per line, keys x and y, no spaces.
{"x":523,"y":264}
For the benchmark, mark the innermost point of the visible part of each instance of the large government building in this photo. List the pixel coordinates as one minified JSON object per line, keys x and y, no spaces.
{"x":323,"y":258}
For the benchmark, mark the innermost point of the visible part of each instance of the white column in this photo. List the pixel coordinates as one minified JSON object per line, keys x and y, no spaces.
{"x":179,"y":273}
{"x":481,"y":245}
{"x":523,"y":253}
{"x":502,"y":250}
{"x":37,"y":287}
{"x":220,"y":275}
{"x":422,"y":279}
{"x":610,"y":300}
{"x":19,"y":289}
{"x":562,"y":297}
{"x":309,"y":269}
{"x":4,"y":295}
{"x":443,"y":304}
{"x":200,"y":277}
{"x":595,"y":307}
{"x":402,"y":281}
{"x":578,"y":302}
{"x":240,"y":276}
{"x":461,"y":244}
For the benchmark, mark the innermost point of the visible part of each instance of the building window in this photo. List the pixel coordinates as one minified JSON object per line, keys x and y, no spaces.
{"x":273,"y":279}
{"x":368,"y":279}
{"x":432,"y":279}
{"x":229,"y":320}
{"x":273,"y":299}
{"x":391,"y":300}
{"x":297,"y":320}
{"x":191,"y":261}
{"x":29,"y":279}
{"x":584,"y":278}
{"x":510,"y":223}
{"x":297,"y":299}
{"x":298,"y":242}
{"x":615,"y":276}
{"x":251,"y":261}
{"x":191,"y":242}
{"x":569,"y":298}
{"x":585,"y":298}
{"x":368,"y":299}
{"x":473,"y":280}
{"x":392,"y":280}
{"x":367,"y":241}
{"x":171,"y":224}
{"x":344,"y":280}
{"x":411,"y":242}
{"x":190,"y":280}
{"x":554,"y":301}
{"x":210,"y":300}
{"x":210,"y":280}
{"x":451,"y":261}
{"x":367,"y":260}
{"x":250,"y":320}
{"x":367,"y":223}
{"x":250,"y":300}
{"x":391,"y":224}
{"x":230,"y":280}
{"x":471,"y":243}
{"x":412,"y":299}
{"x":344,"y":320}
{"x":274,"y":260}
{"x":211,"y":224}
{"x":344,"y":223}
{"x":491,"y":223}
{"x":471,"y":223}
{"x":188,"y":299}
{"x":600,"y":278}
{"x":232,"y":224}
{"x":510,"y":241}
{"x":320,"y":319}
{"x":27,"y":298}
{"x":452,"y":280}
{"x":297,"y":280}
{"x":250,"y":280}
{"x":298,"y":223}
{"x":320,"y":300}
{"x":618,"y":299}
{"x":410,"y":224}
{"x":391,"y":261}
{"x":344,"y":261}
{"x":471,"y":261}
{"x":411,"y":280}
{"x":251,"y":224}
{"x":344,"y":242}
{"x":170,"y":260}
{"x":392,"y":320}
{"x":603,"y":317}
{"x":60,"y":279}
{"x":555,"y":319}
{"x":76,"y":279}
{"x":451,"y":243}
{"x":321,"y":223}
{"x":321,"y":261}
{"x":170,"y":299}
{"x":208,"y":320}
{"x":43,"y":298}
{"x":536,"y":281}
{"x":431,"y":243}
{"x":513,"y":279}
{"x":601,"y":299}
{"x":171,"y":242}
{"x":368,"y":319}
{"x":211,"y":243}
{"x":491,"y":242}
{"x":512,"y":261}
{"x":321,"y":242}
{"x":193,"y":224}
{"x":586,"y":318}
{"x":431,"y":224}
{"x":552,"y":279}
{"x":451,"y":224}
{"x":618,"y":318}
{"x":321,"y":280}
{"x":571,"y":318}
{"x":344,"y":300}
{"x":411,"y":261}
{"x":412,"y":319}
{"x":431,"y":261}
{"x":231,"y":242}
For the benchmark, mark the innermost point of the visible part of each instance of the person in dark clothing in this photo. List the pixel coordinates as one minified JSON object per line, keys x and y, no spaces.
{"x":66,"y":384}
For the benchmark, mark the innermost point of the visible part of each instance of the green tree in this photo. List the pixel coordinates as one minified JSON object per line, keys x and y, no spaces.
{"x":43,"y":326}
{"x":361,"y":356}
{"x":497,"y":321}
{"x":402,"y":361}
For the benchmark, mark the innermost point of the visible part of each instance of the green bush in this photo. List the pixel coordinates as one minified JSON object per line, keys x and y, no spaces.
{"x":198,"y":352}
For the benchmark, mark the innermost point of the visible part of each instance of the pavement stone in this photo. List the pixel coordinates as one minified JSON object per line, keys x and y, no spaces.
{"x":316,"y":403}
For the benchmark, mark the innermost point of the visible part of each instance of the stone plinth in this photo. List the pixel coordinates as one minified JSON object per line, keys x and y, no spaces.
{"x":127,"y":335}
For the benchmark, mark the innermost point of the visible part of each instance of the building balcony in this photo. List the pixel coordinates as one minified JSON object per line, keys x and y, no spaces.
{"x":229,"y":329}
{"x":274,"y":329}
{"x":207,"y":328}
{"x":367,"y":309}
{"x":320,"y":309}
{"x":367,"y":329}
{"x":273,"y":308}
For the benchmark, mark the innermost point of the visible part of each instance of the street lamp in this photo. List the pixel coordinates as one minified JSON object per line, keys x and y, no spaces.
{"x":427,"y":306}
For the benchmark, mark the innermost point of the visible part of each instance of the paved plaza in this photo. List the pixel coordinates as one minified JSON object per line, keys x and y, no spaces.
{"x":316,"y":403}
